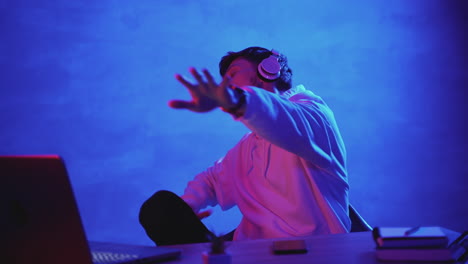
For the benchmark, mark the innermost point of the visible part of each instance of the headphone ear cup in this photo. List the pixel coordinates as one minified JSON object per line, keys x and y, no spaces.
{"x":270,"y":67}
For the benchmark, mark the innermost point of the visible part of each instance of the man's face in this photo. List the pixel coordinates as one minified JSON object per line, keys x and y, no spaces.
{"x":243,"y":73}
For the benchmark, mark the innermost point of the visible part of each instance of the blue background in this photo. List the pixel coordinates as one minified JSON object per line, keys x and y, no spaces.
{"x":90,"y":81}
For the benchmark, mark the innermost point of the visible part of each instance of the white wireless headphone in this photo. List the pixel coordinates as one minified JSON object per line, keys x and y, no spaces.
{"x":270,"y":67}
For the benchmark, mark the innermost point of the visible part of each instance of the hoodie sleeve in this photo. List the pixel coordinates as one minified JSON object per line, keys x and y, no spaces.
{"x":303,"y":125}
{"x":215,"y":185}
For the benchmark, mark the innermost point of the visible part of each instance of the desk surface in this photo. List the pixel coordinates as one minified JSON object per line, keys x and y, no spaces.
{"x":342,"y":248}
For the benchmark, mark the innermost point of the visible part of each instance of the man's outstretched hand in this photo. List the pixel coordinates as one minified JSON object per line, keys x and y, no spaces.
{"x":206,"y":93}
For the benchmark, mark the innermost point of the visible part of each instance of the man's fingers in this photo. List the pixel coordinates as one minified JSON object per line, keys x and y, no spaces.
{"x":204,"y":214}
{"x":197,"y":76}
{"x":209,"y":78}
{"x":183,"y":81}
{"x":180,"y":104}
{"x":203,"y":93}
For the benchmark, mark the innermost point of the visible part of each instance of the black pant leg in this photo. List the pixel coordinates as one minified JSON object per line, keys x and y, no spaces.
{"x":168,"y":220}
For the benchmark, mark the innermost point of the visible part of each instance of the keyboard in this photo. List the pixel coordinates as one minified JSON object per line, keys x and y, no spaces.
{"x":100,"y":257}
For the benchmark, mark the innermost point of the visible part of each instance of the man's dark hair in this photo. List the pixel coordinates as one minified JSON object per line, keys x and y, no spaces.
{"x":255,"y":55}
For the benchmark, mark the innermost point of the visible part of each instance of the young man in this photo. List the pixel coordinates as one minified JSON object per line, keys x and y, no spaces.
{"x":287,"y":176}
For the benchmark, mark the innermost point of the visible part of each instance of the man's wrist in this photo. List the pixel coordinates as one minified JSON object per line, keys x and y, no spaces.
{"x":238,"y":109}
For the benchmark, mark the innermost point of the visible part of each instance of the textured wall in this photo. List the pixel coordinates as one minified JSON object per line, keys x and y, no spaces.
{"x":90,"y":80}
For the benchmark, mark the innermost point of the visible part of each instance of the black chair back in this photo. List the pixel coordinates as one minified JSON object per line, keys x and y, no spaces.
{"x":358,"y":224}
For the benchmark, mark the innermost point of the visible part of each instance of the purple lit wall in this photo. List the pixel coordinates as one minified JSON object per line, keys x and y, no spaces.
{"x":90,"y":81}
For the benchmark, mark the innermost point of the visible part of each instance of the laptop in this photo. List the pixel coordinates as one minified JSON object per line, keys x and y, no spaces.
{"x":40,"y":221}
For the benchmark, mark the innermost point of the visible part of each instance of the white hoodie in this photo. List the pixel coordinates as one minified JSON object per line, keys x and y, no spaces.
{"x":287,"y":176}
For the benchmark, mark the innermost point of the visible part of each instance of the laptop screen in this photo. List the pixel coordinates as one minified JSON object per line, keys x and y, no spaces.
{"x":42,"y":223}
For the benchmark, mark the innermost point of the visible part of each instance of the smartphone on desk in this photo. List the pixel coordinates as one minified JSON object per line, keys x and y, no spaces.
{"x":296,"y":246}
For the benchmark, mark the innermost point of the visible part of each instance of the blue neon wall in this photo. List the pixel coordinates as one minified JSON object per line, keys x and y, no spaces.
{"x":90,"y":80}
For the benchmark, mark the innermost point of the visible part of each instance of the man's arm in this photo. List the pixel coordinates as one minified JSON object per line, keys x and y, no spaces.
{"x":200,"y":192}
{"x":206,"y":95}
{"x":303,"y":125}
{"x":212,"y":187}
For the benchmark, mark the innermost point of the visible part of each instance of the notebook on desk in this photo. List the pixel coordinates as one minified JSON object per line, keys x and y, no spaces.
{"x":401,"y":237}
{"x":431,"y":243}
{"x":40,"y":221}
